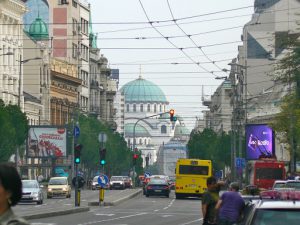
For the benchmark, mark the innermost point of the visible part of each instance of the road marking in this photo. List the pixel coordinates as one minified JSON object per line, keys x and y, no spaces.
{"x":164,"y":216}
{"x":117,"y":218}
{"x":193,"y":221}
{"x":43,"y":223}
{"x":102,"y":214}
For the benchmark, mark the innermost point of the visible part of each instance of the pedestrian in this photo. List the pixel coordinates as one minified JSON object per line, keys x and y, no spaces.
{"x":209,"y":201}
{"x":230,"y":205}
{"x":10,"y":195}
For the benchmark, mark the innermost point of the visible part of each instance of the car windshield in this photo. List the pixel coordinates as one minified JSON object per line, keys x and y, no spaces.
{"x":58,"y":181}
{"x":116,"y":179}
{"x":29,"y":184}
{"x":95,"y":179}
{"x":276,"y":217}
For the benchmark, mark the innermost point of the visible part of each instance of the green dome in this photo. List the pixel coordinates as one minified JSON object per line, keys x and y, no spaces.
{"x":38,"y":30}
{"x":181,"y":130}
{"x":141,"y":90}
{"x":140,"y":131}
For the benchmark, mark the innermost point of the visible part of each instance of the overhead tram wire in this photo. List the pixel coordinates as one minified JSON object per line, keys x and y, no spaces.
{"x":181,"y":49}
{"x":190,"y":38}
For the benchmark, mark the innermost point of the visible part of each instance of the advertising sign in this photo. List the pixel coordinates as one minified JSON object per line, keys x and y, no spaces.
{"x":47,"y":142}
{"x":259,"y":141}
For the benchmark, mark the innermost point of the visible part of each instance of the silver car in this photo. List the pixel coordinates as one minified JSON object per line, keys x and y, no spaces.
{"x":32,"y":192}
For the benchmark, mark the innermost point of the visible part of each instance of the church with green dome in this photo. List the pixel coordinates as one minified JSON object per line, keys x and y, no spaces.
{"x":143,"y":100}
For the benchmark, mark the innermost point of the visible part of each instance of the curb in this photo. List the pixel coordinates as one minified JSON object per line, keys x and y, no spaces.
{"x":116,"y":202}
{"x":55,"y":213}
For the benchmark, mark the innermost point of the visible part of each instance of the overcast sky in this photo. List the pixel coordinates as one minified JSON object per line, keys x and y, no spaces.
{"x":175,"y":62}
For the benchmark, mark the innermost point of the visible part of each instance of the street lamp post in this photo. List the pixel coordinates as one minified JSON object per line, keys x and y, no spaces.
{"x":19,"y":93}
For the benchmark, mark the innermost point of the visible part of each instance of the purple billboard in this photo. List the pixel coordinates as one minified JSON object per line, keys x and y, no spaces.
{"x":259,"y":141}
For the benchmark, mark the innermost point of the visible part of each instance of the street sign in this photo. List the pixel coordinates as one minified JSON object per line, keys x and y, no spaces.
{"x":147,"y":174}
{"x":102,"y":180}
{"x":102,"y":137}
{"x":76,"y":132}
{"x":240,"y":163}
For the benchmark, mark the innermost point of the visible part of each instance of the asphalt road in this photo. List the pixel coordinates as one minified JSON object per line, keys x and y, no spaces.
{"x":136,"y":211}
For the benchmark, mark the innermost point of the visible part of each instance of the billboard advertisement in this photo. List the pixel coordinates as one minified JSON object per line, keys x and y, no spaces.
{"x":259,"y":141}
{"x":47,"y":142}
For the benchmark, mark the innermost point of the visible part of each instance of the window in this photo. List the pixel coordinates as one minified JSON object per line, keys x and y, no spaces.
{"x":84,"y":76}
{"x":63,"y":2}
{"x":148,"y":108}
{"x":74,"y":51}
{"x":84,"y":26}
{"x":141,"y":107}
{"x":127,"y":108}
{"x":134,"y":108}
{"x":163,"y":129}
{"x":74,"y":3}
{"x":160,"y":108}
{"x":155,"y":108}
{"x":75,"y":26}
{"x":84,"y":52}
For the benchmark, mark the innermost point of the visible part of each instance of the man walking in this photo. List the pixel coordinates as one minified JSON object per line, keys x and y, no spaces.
{"x":209,"y":201}
{"x":230,"y":205}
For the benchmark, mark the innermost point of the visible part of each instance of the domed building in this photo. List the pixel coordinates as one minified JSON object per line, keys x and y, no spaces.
{"x":147,"y":123}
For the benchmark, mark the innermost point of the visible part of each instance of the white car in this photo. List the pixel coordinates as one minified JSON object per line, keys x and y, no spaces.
{"x":117,"y":182}
{"x":32,"y":192}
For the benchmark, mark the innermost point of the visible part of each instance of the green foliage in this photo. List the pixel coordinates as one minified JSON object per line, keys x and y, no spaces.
{"x":287,"y":70}
{"x":118,"y":155}
{"x":13,"y":130}
{"x":210,"y":145}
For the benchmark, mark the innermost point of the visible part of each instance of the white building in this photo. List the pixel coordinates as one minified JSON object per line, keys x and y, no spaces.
{"x":144,"y":99}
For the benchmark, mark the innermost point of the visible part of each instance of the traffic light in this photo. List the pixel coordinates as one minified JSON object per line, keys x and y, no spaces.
{"x":134,"y":158}
{"x":77,"y":153}
{"x":172,"y":117}
{"x":102,"y":153}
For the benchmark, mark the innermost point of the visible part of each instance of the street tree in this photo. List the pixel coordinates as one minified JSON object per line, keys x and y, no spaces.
{"x":13,"y":130}
{"x":287,"y":72}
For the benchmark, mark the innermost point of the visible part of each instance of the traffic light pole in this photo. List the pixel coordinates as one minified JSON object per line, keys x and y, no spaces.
{"x":76,"y":186}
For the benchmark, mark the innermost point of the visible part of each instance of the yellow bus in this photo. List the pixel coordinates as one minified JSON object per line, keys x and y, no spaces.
{"x":191,"y":176}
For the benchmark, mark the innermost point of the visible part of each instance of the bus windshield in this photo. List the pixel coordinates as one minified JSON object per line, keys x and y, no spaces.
{"x":193,"y":170}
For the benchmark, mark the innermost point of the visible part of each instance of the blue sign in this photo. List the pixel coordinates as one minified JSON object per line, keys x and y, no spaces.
{"x":240,"y":163}
{"x":103,"y":180}
{"x":147,"y":174}
{"x":76,"y":132}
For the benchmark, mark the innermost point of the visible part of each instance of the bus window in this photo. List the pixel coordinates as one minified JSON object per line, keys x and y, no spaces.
{"x":193,"y":170}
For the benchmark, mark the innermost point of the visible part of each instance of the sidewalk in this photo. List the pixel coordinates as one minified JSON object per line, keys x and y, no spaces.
{"x":110,"y":200}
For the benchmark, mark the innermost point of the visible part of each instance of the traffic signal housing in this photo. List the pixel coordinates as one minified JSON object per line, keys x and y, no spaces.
{"x":172,"y":117}
{"x":134,"y":158}
{"x":77,"y":153}
{"x":102,"y":153}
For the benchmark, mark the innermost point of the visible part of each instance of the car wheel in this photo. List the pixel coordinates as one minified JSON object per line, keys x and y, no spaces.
{"x":40,"y":202}
{"x":147,"y":195}
{"x":49,"y":196}
{"x":167,"y":195}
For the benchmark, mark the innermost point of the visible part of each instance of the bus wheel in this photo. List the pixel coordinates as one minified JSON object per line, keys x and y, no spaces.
{"x":178,"y":196}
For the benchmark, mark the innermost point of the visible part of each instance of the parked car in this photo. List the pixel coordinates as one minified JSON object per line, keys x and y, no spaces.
{"x":157,"y":187}
{"x":278,"y":184}
{"x":59,"y":186}
{"x":117,"y":182}
{"x":293,"y":184}
{"x":32,"y":192}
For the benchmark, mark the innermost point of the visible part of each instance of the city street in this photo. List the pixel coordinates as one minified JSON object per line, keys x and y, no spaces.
{"x":139,"y":210}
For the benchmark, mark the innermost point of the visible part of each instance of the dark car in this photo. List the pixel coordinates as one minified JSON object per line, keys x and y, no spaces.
{"x":157,"y":187}
{"x":128,"y":182}
{"x":282,"y":210}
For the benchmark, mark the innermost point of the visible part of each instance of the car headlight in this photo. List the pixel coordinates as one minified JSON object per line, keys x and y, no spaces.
{"x":35,"y":193}
{"x":64,"y":189}
{"x":49,"y":189}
